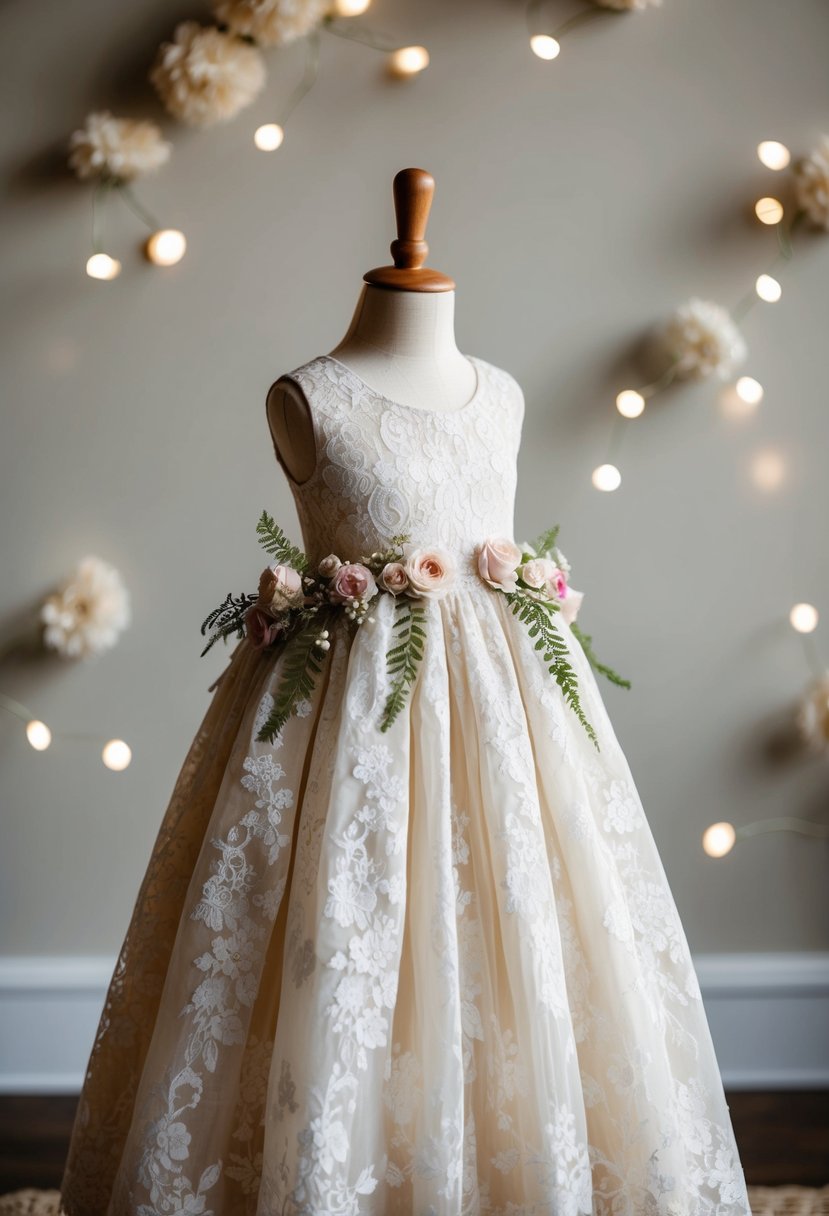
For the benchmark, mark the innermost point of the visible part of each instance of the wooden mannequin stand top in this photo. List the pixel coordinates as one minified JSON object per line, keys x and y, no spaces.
{"x":401,"y":340}
{"x":413,"y":191}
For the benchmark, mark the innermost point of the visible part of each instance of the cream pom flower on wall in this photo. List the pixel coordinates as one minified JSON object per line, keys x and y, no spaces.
{"x":702,"y":340}
{"x":811,"y":184}
{"x":118,"y":148}
{"x":88,"y":613}
{"x":272,"y":22}
{"x":205,"y":76}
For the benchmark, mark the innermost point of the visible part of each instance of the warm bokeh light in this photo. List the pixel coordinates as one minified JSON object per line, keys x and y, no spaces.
{"x":268,"y":137}
{"x":116,"y":755}
{"x":749,"y":390}
{"x":166,"y":247}
{"x":408,"y":60}
{"x":773,"y":154}
{"x":545,"y":46}
{"x":804,"y":618}
{"x":629,"y":403}
{"x":719,"y":839}
{"x":38,"y":734}
{"x":102,"y":266}
{"x":768,"y":470}
{"x":350,"y":8}
{"x":733,"y":406}
{"x":768,"y":210}
{"x":768,"y":289}
{"x":607,"y":477}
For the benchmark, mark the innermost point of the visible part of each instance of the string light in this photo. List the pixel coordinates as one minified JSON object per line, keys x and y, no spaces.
{"x":351,"y":8}
{"x":719,"y":839}
{"x":773,"y":154}
{"x":408,"y":60}
{"x":116,"y":755}
{"x":102,"y":266}
{"x":749,"y":390}
{"x":268,"y":137}
{"x":768,"y":470}
{"x":768,"y":289}
{"x":545,"y":46}
{"x":768,"y":210}
{"x":804,"y":618}
{"x":38,"y":734}
{"x":607,"y":478}
{"x":629,"y":403}
{"x":165,"y":247}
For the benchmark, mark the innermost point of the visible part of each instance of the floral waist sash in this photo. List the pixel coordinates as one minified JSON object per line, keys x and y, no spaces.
{"x":296,"y":604}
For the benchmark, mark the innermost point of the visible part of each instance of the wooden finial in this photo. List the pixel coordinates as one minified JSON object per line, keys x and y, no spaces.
{"x":413,"y":190}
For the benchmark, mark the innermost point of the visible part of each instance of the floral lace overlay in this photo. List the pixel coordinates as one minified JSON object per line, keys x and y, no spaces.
{"x":433,"y":971}
{"x":440,"y":477}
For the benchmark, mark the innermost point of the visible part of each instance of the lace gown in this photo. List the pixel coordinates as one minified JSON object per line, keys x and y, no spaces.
{"x":434,"y":971}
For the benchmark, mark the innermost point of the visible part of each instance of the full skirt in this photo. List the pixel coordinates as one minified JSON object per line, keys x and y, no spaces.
{"x":436,"y":971}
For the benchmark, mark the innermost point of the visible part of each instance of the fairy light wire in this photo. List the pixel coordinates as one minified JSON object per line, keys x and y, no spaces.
{"x":25,"y":715}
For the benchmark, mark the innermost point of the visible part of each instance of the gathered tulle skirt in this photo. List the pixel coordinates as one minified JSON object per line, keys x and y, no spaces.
{"x":433,"y":971}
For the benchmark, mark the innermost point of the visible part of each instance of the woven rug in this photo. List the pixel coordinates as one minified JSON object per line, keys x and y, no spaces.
{"x":765,"y":1201}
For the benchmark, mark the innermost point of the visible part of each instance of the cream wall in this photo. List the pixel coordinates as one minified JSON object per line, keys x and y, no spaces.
{"x":577,"y":203}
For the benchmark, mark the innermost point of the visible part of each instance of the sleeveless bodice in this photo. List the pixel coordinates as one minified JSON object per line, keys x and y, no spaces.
{"x":444,"y":478}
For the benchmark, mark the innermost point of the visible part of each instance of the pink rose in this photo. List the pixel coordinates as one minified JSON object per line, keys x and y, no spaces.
{"x":394,"y":578}
{"x":570,"y":604}
{"x":261,"y":629}
{"x":430,"y":572}
{"x":352,"y":581}
{"x":539,"y":572}
{"x":498,"y":561}
{"x":280,"y":588}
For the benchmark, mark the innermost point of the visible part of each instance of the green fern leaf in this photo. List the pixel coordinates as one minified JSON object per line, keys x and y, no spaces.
{"x":301,"y":664}
{"x":404,"y":657}
{"x":587,"y":646}
{"x":547,"y":540}
{"x":275,"y":542}
{"x":537,"y":615}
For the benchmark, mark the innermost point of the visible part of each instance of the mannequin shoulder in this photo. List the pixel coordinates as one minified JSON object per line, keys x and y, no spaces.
{"x":291,"y":428}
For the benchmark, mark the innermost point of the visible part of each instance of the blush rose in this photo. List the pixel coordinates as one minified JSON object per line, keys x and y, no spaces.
{"x":430,"y":572}
{"x":393,"y":578}
{"x":498,"y":562}
{"x":352,"y":581}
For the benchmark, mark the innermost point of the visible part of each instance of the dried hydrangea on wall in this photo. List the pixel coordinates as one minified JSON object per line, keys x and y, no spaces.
{"x":88,"y":613}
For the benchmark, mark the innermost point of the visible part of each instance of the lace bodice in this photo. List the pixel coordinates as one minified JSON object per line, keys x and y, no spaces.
{"x":442,"y":478}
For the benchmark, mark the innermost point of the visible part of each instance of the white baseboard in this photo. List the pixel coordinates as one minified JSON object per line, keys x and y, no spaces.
{"x":769,"y":1018}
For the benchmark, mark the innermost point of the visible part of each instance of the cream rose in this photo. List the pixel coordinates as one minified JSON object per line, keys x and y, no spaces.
{"x":498,"y":561}
{"x":280,"y":588}
{"x":329,"y":566}
{"x":539,"y":572}
{"x":352,"y":581}
{"x":430,"y":572}
{"x":394,"y":578}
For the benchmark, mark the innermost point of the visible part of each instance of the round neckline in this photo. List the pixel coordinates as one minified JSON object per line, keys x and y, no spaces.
{"x":418,"y":409}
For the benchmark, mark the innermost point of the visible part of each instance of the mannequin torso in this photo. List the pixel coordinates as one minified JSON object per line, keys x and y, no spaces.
{"x":401,"y":343}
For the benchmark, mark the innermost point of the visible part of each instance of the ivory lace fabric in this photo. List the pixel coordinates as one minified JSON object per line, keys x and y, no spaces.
{"x":437,"y":971}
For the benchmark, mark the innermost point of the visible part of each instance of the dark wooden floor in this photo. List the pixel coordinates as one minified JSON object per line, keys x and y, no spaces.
{"x":783,"y":1138}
